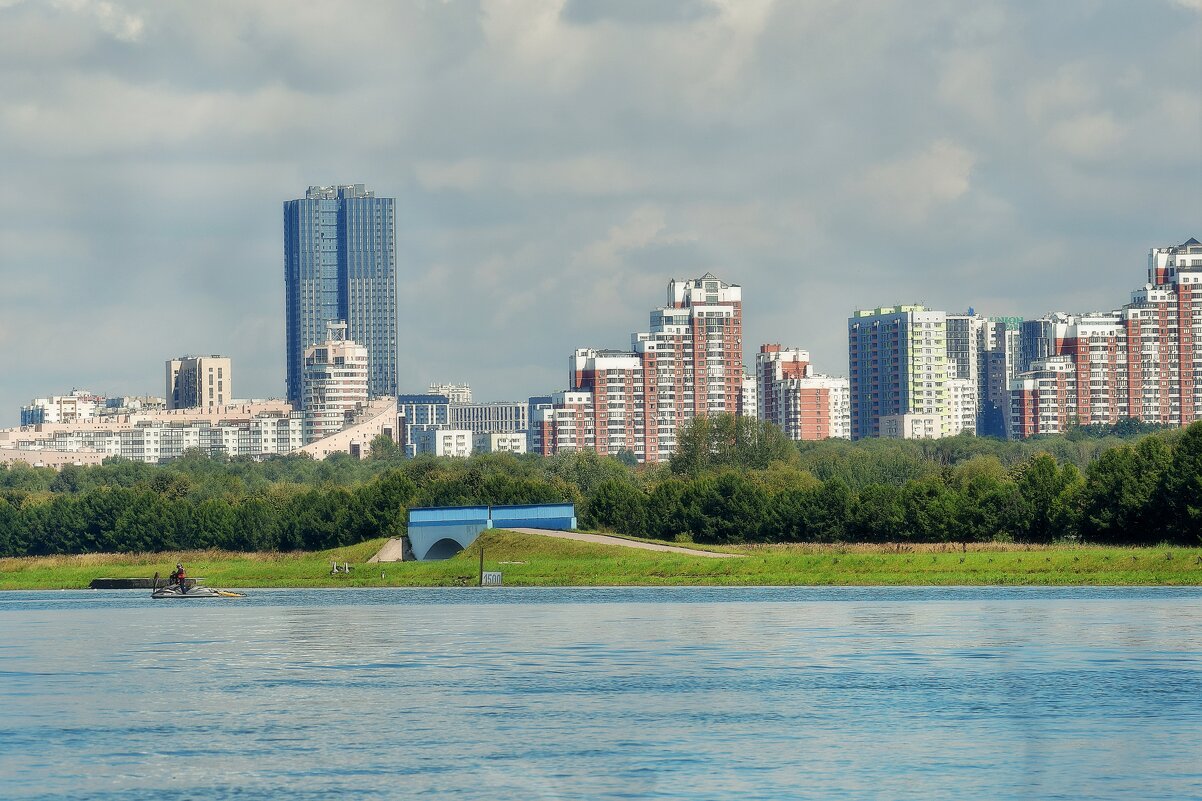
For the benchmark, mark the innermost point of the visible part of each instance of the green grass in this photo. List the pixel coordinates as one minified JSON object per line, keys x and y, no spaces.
{"x":531,"y":560}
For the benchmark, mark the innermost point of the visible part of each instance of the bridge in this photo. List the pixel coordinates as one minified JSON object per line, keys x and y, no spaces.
{"x":441,"y":532}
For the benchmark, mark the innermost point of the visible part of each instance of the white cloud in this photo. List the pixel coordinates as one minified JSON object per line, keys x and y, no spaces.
{"x":581,"y":176}
{"x":1088,"y":136}
{"x":910,"y":188}
{"x":111,"y":18}
{"x":554,"y":163}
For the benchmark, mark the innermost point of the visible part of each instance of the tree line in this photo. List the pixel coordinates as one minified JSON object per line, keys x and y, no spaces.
{"x":732,"y":480}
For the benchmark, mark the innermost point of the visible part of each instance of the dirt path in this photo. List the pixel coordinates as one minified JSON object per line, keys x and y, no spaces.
{"x":390,"y":552}
{"x":602,"y":539}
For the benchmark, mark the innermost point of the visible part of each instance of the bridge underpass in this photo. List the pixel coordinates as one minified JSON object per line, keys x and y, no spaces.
{"x":441,"y":532}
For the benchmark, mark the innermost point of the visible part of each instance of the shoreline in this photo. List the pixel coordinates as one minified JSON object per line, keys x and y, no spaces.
{"x":557,"y":587}
{"x":530,"y":560}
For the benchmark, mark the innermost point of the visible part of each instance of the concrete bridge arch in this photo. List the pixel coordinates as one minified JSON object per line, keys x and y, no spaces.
{"x":442,"y":532}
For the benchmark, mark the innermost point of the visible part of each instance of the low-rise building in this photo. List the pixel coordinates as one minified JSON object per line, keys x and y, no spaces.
{"x":511,"y":442}
{"x":443,"y":442}
{"x":912,"y":426}
{"x":378,"y":418}
{"x":491,"y":417}
{"x":160,"y":438}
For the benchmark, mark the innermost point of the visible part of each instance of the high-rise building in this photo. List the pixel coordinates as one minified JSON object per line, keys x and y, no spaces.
{"x":898,"y":365}
{"x":804,"y":405}
{"x":690,"y":363}
{"x":535,"y":405}
{"x":204,"y":382}
{"x":749,"y":404}
{"x":335,"y":383}
{"x":340,"y":264}
{"x":985,"y":352}
{"x":1140,"y":362}
{"x":1000,"y":364}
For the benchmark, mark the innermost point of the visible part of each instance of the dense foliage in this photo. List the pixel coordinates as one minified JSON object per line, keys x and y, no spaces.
{"x":732,"y":481}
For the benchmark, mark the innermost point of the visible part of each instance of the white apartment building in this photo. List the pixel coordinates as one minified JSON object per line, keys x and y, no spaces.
{"x":568,"y":425}
{"x":205,"y":382}
{"x":749,"y":398}
{"x":335,"y":383}
{"x":77,"y":406}
{"x":510,"y":442}
{"x":443,"y":442}
{"x":160,"y":440}
{"x":961,"y":407}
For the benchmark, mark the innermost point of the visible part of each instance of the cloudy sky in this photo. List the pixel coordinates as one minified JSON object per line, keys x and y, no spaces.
{"x":555,"y":162}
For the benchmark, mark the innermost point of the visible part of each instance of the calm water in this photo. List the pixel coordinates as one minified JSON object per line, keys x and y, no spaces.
{"x":604,"y":694}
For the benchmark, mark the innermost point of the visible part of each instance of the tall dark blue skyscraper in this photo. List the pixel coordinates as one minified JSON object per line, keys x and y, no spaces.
{"x":340,"y":264}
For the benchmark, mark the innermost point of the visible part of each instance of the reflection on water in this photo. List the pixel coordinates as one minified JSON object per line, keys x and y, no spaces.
{"x":623,"y":693}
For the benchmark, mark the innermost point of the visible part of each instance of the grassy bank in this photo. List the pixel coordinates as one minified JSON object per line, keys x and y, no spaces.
{"x":529,"y":560}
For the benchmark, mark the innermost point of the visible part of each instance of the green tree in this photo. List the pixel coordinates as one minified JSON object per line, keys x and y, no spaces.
{"x":256,"y":525}
{"x":666,"y":511}
{"x":1182,"y":487}
{"x":8,"y":529}
{"x":725,"y":508}
{"x":617,"y":506}
{"x":1120,"y":500}
{"x":984,"y":508}
{"x":1049,"y":495}
{"x":727,"y":441}
{"x":931,"y":511}
{"x":383,"y":448}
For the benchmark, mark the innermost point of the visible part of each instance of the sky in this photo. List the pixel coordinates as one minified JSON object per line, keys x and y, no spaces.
{"x":556,"y":162}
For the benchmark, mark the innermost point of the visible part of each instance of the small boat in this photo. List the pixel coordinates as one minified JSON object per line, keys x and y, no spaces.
{"x":186,"y":591}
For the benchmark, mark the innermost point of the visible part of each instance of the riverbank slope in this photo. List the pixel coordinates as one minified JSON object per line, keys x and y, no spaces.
{"x":531,"y":560}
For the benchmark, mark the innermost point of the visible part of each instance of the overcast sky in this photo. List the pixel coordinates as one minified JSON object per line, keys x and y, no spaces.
{"x":556,"y":162}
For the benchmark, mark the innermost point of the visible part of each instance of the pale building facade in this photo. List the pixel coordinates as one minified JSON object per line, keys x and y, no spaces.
{"x":205,"y":382}
{"x":912,"y":426}
{"x":455,"y":393}
{"x":75,"y":407}
{"x":456,"y":442}
{"x":494,"y":442}
{"x":335,"y":383}
{"x":961,"y":407}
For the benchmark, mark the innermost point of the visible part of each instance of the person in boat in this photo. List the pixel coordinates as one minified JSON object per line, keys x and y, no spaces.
{"x":177,"y":577}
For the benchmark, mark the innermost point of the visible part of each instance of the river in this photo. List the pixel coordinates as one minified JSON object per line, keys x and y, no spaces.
{"x":624,"y":693}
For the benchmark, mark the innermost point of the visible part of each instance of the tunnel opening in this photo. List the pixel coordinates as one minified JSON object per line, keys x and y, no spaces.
{"x":443,"y":549}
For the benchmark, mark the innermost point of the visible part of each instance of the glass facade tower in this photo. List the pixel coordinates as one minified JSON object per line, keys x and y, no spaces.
{"x":340,"y":264}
